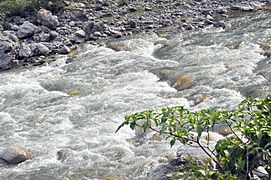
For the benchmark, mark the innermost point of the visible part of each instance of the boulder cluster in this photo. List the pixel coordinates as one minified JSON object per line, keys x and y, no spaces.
{"x":27,"y":40}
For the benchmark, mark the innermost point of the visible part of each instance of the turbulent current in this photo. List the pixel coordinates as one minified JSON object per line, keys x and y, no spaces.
{"x":74,"y":109}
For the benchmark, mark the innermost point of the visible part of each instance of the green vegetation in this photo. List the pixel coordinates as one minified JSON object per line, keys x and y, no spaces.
{"x":20,"y":6}
{"x":235,"y":156}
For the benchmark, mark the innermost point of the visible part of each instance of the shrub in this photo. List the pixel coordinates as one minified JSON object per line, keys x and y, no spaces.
{"x":237,"y":156}
{"x":20,"y":7}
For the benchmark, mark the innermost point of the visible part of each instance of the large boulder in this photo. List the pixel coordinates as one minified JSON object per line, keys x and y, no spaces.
{"x":27,"y":29}
{"x":47,"y":19}
{"x":5,"y":61}
{"x":15,"y":155}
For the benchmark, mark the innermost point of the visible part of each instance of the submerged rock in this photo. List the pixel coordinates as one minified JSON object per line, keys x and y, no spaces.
{"x":15,"y":155}
{"x":183,"y":82}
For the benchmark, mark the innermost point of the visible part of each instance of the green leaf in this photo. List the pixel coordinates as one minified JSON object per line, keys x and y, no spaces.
{"x":172,"y":142}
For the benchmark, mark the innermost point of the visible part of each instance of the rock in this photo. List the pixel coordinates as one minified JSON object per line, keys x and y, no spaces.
{"x":116,"y":34}
{"x":46,"y":18}
{"x":97,"y":34}
{"x":5,"y":61}
{"x":187,"y":26}
{"x":13,"y":37}
{"x":45,"y":37}
{"x":80,"y":33}
{"x":220,"y":24}
{"x":62,"y":154}
{"x":53,"y":35}
{"x":163,"y":170}
{"x":27,"y":29}
{"x":14,"y":27}
{"x":64,"y":50}
{"x":267,"y":53}
{"x":5,"y":46}
{"x":15,"y":155}
{"x":132,"y":24}
{"x":90,"y":27}
{"x":39,"y":49}
{"x":72,"y":24}
{"x":24,"y":51}
{"x":79,"y":16}
{"x":260,"y":172}
{"x":183,"y":82}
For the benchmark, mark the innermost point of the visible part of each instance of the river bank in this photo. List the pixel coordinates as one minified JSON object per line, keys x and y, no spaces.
{"x":28,"y":40}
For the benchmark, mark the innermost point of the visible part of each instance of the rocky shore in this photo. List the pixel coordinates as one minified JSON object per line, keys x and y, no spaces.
{"x":28,"y":40}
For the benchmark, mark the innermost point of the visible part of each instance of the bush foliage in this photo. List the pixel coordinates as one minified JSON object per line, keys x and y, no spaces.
{"x":19,"y":7}
{"x":238,"y":155}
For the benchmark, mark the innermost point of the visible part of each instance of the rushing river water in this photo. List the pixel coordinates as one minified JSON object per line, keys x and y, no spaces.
{"x":37,"y":112}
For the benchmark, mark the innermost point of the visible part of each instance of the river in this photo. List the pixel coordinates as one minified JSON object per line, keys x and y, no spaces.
{"x":37,"y":112}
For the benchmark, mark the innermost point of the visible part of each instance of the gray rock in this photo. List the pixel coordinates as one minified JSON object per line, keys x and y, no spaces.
{"x":39,"y":49}
{"x":79,"y":16}
{"x":90,"y":27}
{"x":53,"y":35}
{"x":132,"y":24}
{"x":15,"y":27}
{"x":15,"y":155}
{"x":47,"y":19}
{"x":24,"y":51}
{"x":220,"y":24}
{"x":116,"y":34}
{"x":45,"y":37}
{"x":13,"y":37}
{"x":72,"y":24}
{"x":5,"y":61}
{"x":5,"y":46}
{"x":64,"y":50}
{"x":80,"y":33}
{"x":163,"y":170}
{"x":27,"y":29}
{"x":97,"y":34}
{"x":260,"y":172}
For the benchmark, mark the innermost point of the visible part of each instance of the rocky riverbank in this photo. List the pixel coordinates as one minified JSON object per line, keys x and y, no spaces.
{"x":28,"y":40}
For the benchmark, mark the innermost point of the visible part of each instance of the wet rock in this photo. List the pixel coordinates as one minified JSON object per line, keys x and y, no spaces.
{"x":63,"y":154}
{"x":64,"y":50}
{"x":165,"y":169}
{"x":47,"y":19}
{"x":263,"y":68}
{"x":132,"y":24}
{"x":27,"y":29}
{"x":219,"y":24}
{"x":15,"y":155}
{"x":5,"y":61}
{"x":24,"y":51}
{"x":183,"y":82}
{"x":185,"y":26}
{"x":267,"y":53}
{"x":116,"y":34}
